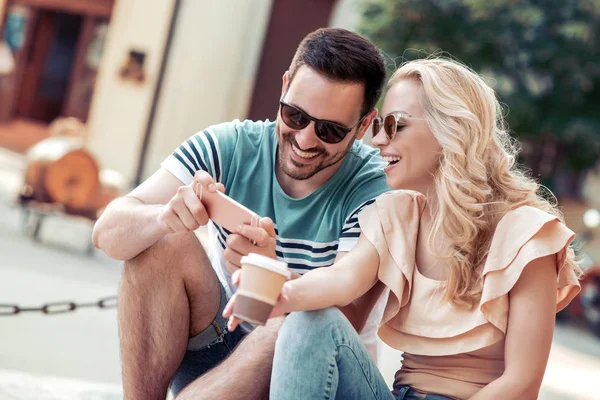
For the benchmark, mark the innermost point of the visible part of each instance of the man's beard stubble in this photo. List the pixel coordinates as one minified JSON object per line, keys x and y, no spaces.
{"x":286,"y":140}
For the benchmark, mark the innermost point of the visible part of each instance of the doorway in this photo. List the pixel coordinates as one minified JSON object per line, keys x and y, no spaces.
{"x":48,"y":66}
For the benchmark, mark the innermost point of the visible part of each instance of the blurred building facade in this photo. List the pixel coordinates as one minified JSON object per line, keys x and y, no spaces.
{"x":146,"y":74}
{"x":56,"y":49}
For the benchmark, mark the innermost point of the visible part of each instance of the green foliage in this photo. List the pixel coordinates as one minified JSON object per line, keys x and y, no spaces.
{"x":540,"y":55}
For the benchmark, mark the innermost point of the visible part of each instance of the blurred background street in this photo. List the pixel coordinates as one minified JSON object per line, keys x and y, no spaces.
{"x":63,"y":356}
{"x":94,"y":94}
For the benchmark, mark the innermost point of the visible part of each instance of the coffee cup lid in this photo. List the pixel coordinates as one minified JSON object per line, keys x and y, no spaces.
{"x":268,"y":263}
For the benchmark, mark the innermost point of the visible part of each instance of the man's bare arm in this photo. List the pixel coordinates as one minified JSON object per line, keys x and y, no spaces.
{"x":131,"y":224}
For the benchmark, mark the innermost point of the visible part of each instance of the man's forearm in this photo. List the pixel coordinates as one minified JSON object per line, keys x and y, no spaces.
{"x":127,"y":227}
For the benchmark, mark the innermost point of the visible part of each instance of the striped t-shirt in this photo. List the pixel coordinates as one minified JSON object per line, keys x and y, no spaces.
{"x":310,"y":230}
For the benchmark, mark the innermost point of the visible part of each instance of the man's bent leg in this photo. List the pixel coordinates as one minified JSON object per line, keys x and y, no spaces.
{"x":206,"y":350}
{"x":245,"y":374}
{"x":168,"y":293}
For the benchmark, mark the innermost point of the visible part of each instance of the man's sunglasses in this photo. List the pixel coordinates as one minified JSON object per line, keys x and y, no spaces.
{"x":390,"y":123}
{"x":327,"y":131}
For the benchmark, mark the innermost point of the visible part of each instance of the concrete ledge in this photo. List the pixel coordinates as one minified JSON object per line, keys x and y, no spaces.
{"x":23,"y":386}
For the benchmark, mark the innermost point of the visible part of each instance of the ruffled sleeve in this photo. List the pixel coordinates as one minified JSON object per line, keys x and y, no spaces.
{"x":522,"y":236}
{"x":391,"y":224}
{"x":417,"y":319}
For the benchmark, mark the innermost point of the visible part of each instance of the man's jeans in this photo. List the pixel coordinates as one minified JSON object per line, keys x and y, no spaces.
{"x":319,"y":355}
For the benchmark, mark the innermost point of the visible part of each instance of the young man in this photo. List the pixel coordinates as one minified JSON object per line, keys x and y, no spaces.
{"x":308,"y":173}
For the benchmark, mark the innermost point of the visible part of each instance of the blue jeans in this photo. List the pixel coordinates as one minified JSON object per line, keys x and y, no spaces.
{"x":319,"y":355}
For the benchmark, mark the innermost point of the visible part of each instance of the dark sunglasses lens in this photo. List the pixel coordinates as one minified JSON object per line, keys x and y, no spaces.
{"x":330,"y":133}
{"x":390,"y":126}
{"x":377,"y":122}
{"x":293,"y":118}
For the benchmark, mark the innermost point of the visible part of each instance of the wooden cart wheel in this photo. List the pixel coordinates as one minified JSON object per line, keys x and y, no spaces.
{"x":61,"y":171}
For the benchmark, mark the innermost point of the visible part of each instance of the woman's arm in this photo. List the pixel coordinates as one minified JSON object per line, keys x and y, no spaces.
{"x":346,"y":280}
{"x":529,"y":337}
{"x":350,"y":277}
{"x":359,"y":311}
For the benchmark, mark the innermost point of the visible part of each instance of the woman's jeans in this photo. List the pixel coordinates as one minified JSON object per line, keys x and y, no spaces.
{"x":319,"y":355}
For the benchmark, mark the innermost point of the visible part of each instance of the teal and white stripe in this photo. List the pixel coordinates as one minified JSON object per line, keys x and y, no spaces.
{"x":200,"y":152}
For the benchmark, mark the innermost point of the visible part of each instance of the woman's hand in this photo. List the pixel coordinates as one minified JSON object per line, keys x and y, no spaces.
{"x":338,"y":285}
{"x":278,"y":310}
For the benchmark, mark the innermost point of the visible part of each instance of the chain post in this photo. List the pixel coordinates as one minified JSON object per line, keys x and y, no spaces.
{"x":58,"y":307}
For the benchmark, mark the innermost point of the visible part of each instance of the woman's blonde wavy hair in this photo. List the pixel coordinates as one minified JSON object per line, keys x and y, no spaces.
{"x":477,"y":181}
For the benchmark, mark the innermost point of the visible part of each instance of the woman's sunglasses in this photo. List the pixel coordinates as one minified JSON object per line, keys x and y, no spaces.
{"x":391,"y":123}
{"x":327,"y":131}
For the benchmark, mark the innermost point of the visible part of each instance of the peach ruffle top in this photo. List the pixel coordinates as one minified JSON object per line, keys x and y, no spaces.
{"x":431,"y":332}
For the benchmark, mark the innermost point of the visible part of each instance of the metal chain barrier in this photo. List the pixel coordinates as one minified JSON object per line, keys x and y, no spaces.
{"x":58,"y":307}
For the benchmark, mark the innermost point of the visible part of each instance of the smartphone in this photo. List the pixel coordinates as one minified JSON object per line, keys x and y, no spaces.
{"x":225,"y":211}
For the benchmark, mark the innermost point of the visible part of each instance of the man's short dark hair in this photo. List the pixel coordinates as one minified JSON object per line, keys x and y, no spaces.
{"x":343,"y":56}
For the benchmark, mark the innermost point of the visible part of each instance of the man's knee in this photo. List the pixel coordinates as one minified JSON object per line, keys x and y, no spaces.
{"x":172,"y":250}
{"x":176,"y":267}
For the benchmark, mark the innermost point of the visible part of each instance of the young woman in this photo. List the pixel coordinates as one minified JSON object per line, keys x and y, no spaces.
{"x":476,"y":260}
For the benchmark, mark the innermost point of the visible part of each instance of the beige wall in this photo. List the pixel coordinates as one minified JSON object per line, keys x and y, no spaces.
{"x":119,"y":109}
{"x":210,"y":75}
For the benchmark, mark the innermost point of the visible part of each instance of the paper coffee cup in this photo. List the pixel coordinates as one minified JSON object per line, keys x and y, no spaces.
{"x":261,"y":282}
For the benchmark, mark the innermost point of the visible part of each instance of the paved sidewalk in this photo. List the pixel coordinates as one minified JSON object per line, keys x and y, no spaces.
{"x":22,"y":386}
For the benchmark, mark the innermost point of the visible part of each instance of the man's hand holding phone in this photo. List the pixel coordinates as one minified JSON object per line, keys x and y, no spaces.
{"x":248,"y":232}
{"x":185,"y":211}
